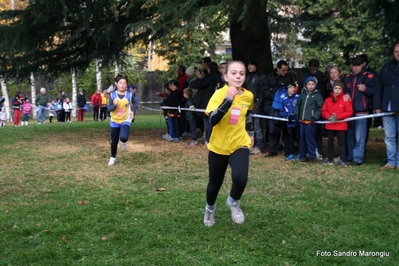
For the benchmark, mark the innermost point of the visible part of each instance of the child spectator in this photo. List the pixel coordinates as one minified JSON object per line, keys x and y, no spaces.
{"x":165,"y":102}
{"x":51,"y":110}
{"x":3,"y":117}
{"x":308,"y":110}
{"x":190,"y":117}
{"x":287,"y":111}
{"x":26,"y":109}
{"x":174,"y":114}
{"x":68,"y":108}
{"x":335,"y":108}
{"x":58,"y":108}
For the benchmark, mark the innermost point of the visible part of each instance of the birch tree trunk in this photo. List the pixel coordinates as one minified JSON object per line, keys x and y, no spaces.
{"x":116,"y":69}
{"x":4,"y":92}
{"x":12,"y":4}
{"x":74,"y":94}
{"x":33,"y":93}
{"x":98,"y":75}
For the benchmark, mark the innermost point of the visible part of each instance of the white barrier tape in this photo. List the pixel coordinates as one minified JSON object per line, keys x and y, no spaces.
{"x":285,"y":119}
{"x":148,"y":108}
{"x":151,"y":102}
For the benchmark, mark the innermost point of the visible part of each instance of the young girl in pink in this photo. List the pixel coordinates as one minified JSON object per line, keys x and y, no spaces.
{"x":26,"y":109}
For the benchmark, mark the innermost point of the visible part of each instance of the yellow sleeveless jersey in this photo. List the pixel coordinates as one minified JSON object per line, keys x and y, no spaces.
{"x":122,"y":112}
{"x":230,"y":134}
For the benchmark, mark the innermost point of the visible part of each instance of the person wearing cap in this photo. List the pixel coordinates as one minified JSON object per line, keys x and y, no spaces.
{"x":376,"y":121}
{"x":334,"y":109}
{"x":313,"y":70}
{"x":255,"y":83}
{"x":41,"y":102}
{"x":386,"y":99}
{"x":81,"y":102}
{"x":307,"y":111}
{"x":96,"y":102}
{"x":359,"y":87}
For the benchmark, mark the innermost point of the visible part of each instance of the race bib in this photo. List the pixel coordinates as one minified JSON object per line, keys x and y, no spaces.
{"x":235,"y":114}
{"x":120,"y":111}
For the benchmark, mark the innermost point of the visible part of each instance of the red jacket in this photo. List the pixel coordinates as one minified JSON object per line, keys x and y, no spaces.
{"x":339,"y":107}
{"x":96,"y":98}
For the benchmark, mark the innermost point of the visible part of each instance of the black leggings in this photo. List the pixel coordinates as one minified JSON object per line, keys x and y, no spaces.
{"x":239,"y":163}
{"x":118,"y":133}
{"x":103,"y":113}
{"x":341,"y":144}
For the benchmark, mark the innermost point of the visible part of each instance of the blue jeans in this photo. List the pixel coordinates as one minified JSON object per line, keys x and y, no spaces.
{"x":41,"y":114}
{"x":259,"y":142}
{"x":391,"y":130}
{"x":307,"y":141}
{"x":356,"y":139}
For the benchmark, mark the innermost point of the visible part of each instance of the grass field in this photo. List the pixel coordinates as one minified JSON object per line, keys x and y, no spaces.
{"x":60,"y":204}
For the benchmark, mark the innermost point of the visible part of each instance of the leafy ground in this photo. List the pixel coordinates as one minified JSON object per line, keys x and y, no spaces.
{"x":62,"y":205}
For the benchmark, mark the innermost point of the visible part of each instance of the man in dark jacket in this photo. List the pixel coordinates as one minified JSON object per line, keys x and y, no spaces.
{"x":359,"y":87}
{"x":386,"y":99}
{"x":277,"y":79}
{"x":255,"y":82}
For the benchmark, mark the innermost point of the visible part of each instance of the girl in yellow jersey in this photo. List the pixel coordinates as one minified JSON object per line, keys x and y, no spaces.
{"x":232,"y":136}
{"x":121,"y":116}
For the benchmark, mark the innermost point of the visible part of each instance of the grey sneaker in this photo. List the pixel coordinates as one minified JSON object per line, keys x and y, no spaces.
{"x":236,"y":213}
{"x":209,"y":218}
{"x":193,"y":142}
{"x":123,"y":146}
{"x":112,"y":161}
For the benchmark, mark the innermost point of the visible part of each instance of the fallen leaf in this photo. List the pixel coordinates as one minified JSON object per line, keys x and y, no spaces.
{"x":160,"y":189}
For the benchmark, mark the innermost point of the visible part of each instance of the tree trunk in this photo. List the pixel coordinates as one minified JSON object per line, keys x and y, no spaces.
{"x":98,"y":75}
{"x":5,"y":95}
{"x":116,"y":70}
{"x":74,"y":93}
{"x":250,"y":38}
{"x":33,"y":94}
